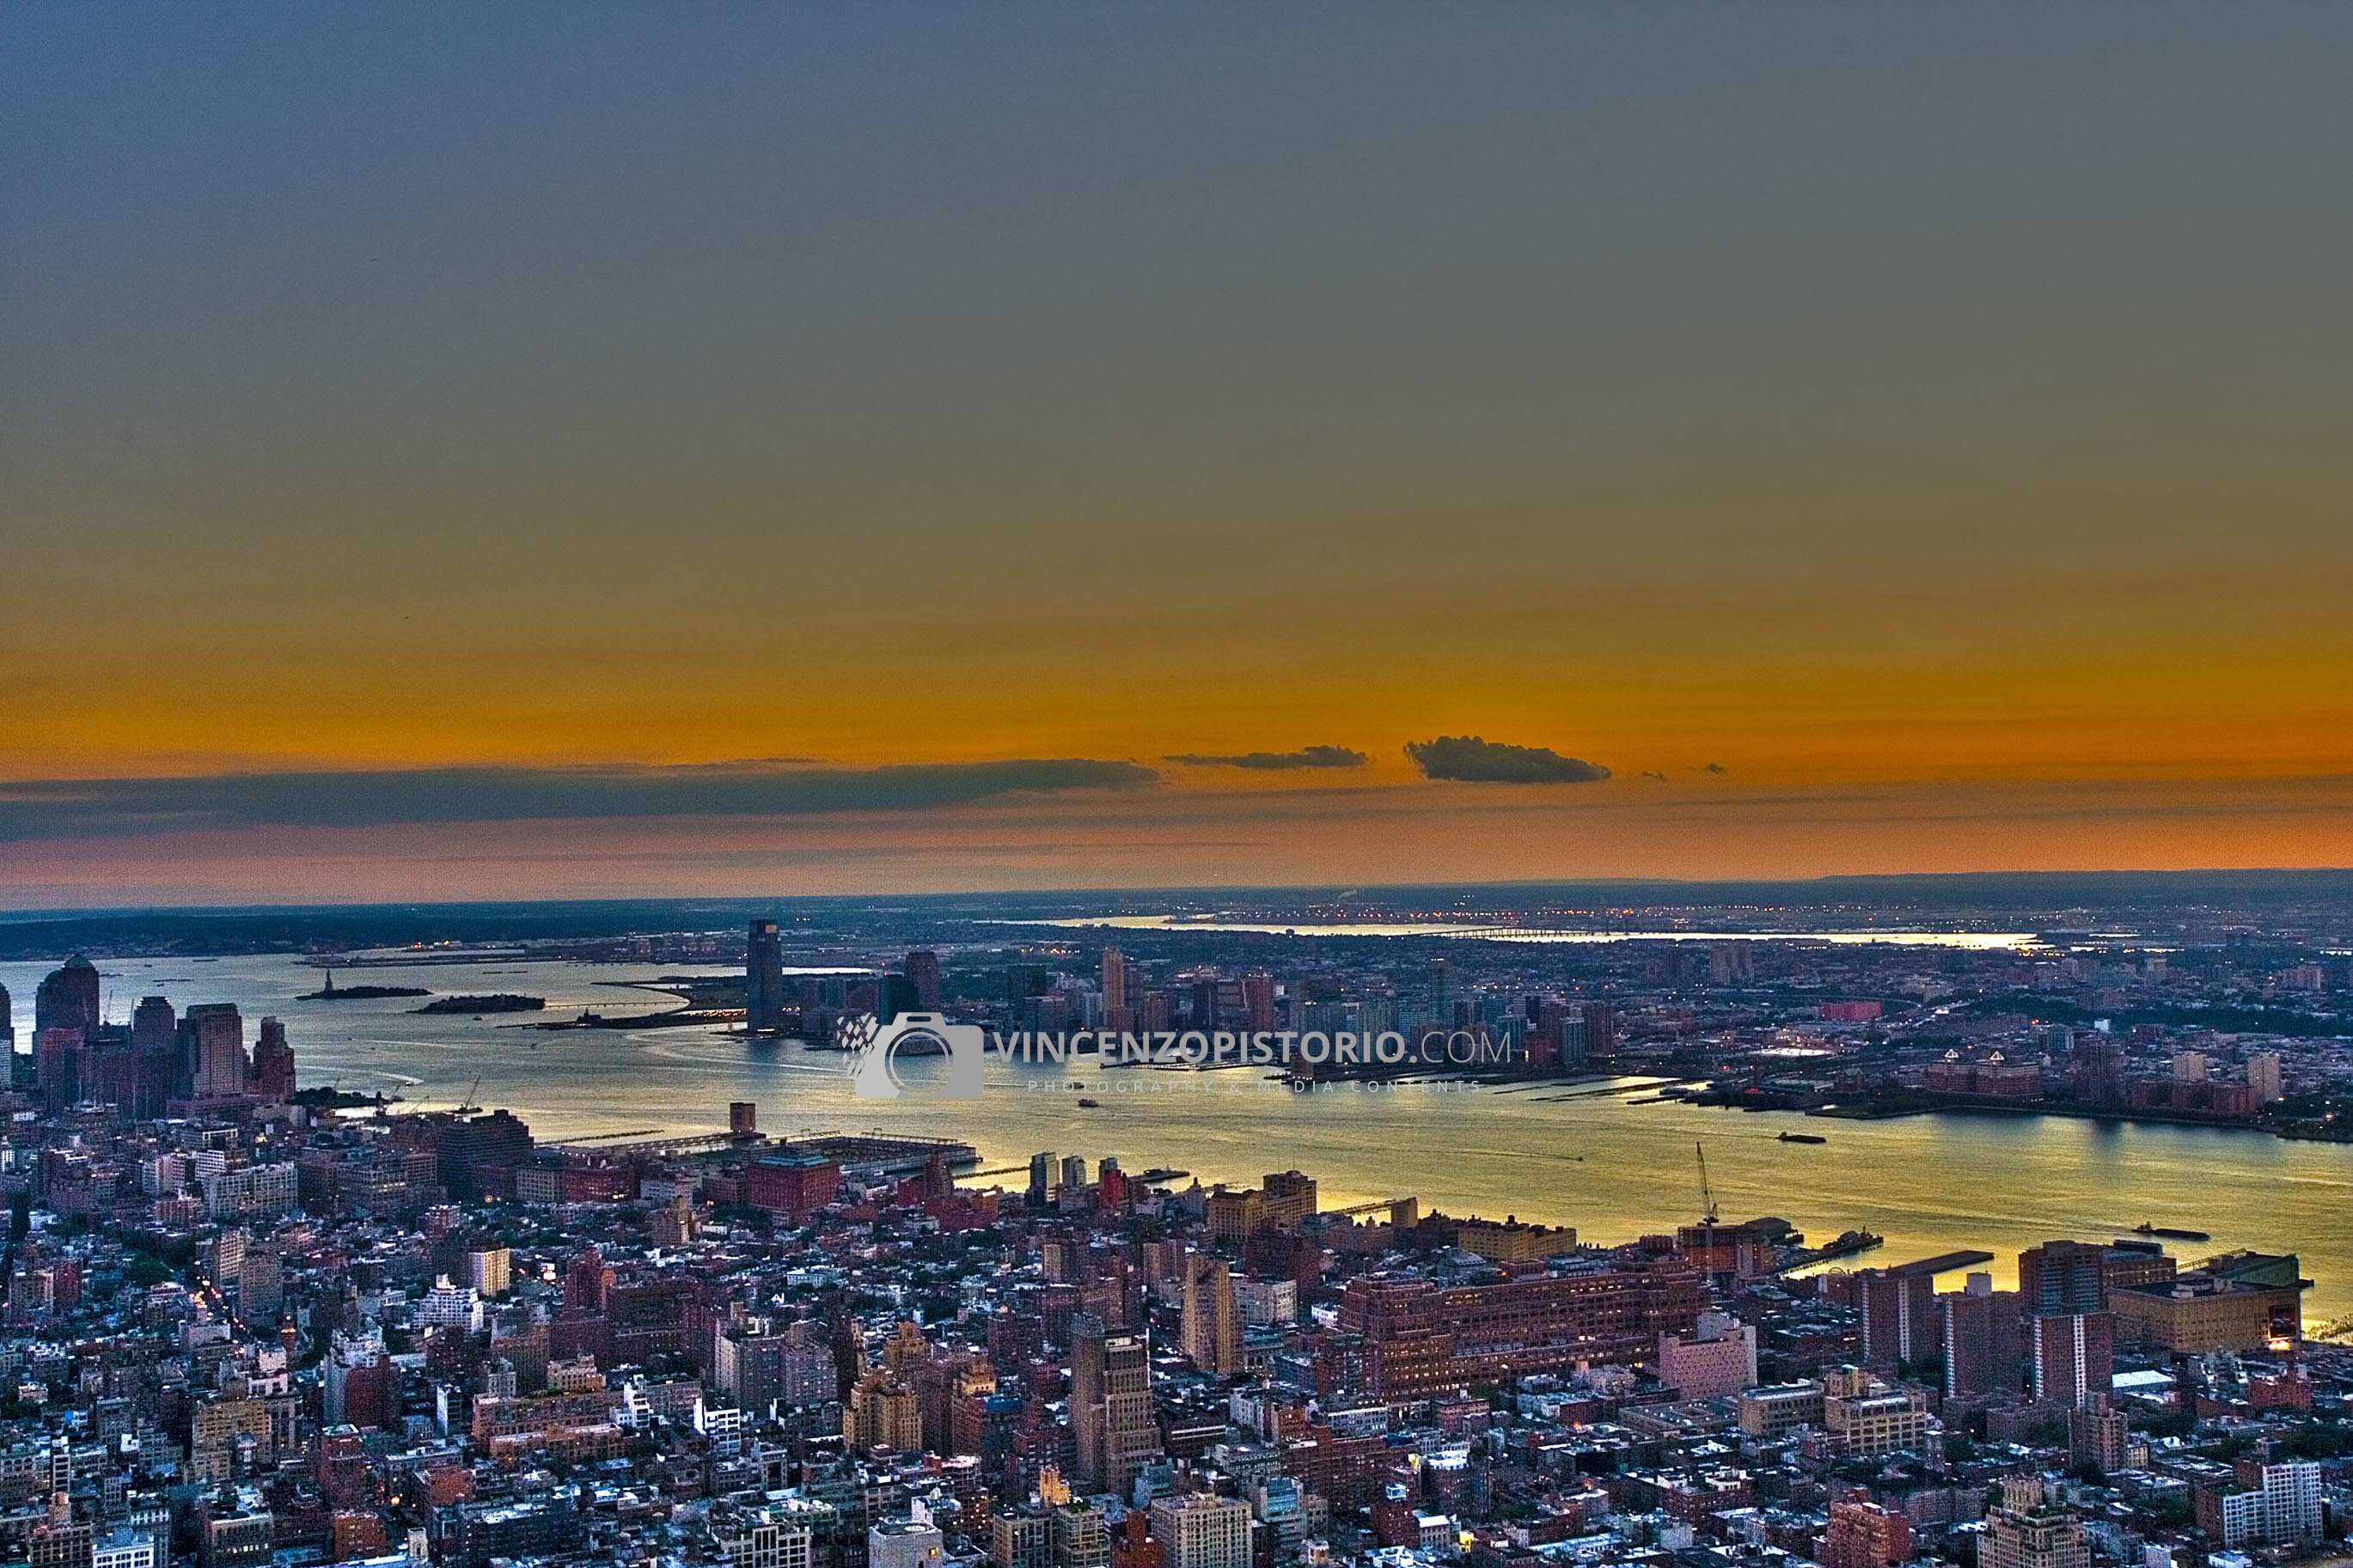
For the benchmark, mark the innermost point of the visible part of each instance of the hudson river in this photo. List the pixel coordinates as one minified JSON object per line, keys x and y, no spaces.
{"x":1614,"y":1170}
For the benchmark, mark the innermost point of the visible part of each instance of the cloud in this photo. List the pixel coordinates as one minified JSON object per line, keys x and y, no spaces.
{"x":1275,"y":762}
{"x":1471,"y":760}
{"x":1715,"y":768}
{"x":72,"y":808}
{"x":1654,"y":776}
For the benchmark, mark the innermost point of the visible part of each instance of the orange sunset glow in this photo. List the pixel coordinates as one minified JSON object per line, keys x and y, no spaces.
{"x":1091,"y":451}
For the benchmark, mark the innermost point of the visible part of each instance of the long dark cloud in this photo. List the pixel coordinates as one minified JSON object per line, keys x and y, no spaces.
{"x":1275,"y":762}
{"x":1471,"y":759}
{"x":73,"y":808}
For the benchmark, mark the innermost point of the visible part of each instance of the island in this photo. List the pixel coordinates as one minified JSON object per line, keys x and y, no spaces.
{"x":333,"y":993}
{"x":500,"y":1003}
{"x":326,"y":1097}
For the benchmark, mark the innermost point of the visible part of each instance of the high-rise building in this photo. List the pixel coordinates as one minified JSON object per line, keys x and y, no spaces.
{"x":883,"y":1412}
{"x":758,"y":1366}
{"x":895,"y":996}
{"x":2071,"y":1357}
{"x":2266,"y":1505}
{"x":763,"y":977}
{"x":274,"y":1063}
{"x":1424,"y":1336}
{"x":2263,"y":1078}
{"x":1201,"y":1530}
{"x":1899,"y":1316}
{"x":8,"y":1023}
{"x":58,"y":1057}
{"x":477,"y":1156}
{"x":1081,"y":1536}
{"x":1716,"y":1361}
{"x":212,"y":1049}
{"x":1212,"y":1322}
{"x":2097,"y":1435}
{"x":1984,"y":1332}
{"x":1600,"y":1032}
{"x":587,"y":1284}
{"x":68,"y":998}
{"x":2032,"y":1527}
{"x":1111,"y":1405}
{"x":924,"y":969}
{"x":2070,"y":1337}
{"x":489,"y":1270}
{"x":2063,"y":1276}
{"x":1258,"y":999}
{"x":1867,"y":1418}
{"x":1115,"y":979}
{"x":155,"y":1042}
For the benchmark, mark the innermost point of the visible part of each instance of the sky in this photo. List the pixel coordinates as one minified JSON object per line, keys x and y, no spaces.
{"x":592,"y":451}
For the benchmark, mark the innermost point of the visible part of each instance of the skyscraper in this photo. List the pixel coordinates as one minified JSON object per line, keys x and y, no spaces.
{"x":1111,"y":1405}
{"x":924,"y":970}
{"x":763,"y":977}
{"x":1115,"y":979}
{"x":2070,"y":1337}
{"x":1212,"y":1322}
{"x":1984,"y":1339}
{"x":2072,"y":1356}
{"x":274,"y":1063}
{"x":1600,"y":1021}
{"x":156,"y":1041}
{"x":895,"y":995}
{"x":212,"y":1049}
{"x":2061,"y":1277}
{"x":1899,"y":1317}
{"x":68,"y":998}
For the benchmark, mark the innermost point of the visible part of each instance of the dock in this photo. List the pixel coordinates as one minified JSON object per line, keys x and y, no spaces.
{"x":1943,"y":1263}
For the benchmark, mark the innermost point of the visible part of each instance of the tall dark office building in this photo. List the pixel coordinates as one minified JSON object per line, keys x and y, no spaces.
{"x":212,"y":1049}
{"x":1600,"y":1021}
{"x":156,"y":1041}
{"x":68,"y":998}
{"x":924,"y":969}
{"x":274,"y":1063}
{"x":763,"y":977}
{"x":895,"y":995}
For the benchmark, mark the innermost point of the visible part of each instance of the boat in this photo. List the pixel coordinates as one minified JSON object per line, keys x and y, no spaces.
{"x":2169,"y":1233}
{"x":1086,"y":1104}
{"x":1803,"y":1138}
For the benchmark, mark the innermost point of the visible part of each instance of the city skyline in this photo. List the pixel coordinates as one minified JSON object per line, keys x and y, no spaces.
{"x":1882,"y":441}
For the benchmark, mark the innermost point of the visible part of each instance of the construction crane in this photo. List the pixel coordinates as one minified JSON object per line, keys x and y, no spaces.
{"x":468,"y":1104}
{"x":1706,"y":1193}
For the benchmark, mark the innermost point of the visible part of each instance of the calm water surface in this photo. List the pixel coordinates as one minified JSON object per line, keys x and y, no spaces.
{"x":1613,"y":1169}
